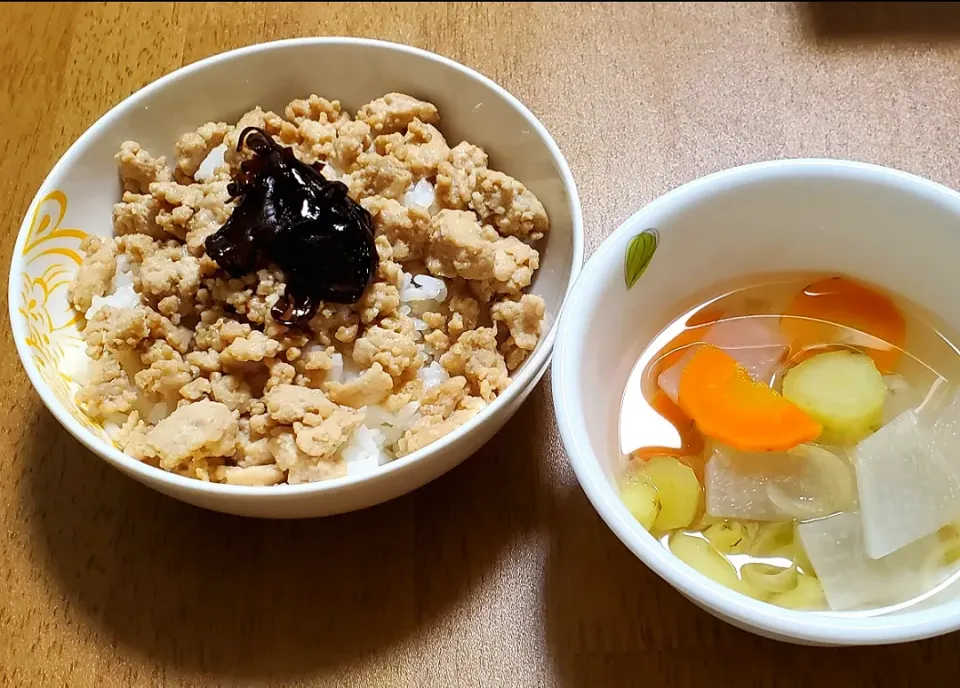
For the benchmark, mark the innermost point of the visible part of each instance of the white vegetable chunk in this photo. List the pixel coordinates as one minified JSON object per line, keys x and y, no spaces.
{"x":908,"y":475}
{"x":755,"y":342}
{"x":852,"y":579}
{"x":735,"y":484}
{"x":806,"y":482}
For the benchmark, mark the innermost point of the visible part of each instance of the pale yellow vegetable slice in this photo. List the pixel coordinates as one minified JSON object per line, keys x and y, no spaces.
{"x":640,"y":496}
{"x":773,"y":539}
{"x":703,"y":557}
{"x":731,"y":537}
{"x":841,"y":390}
{"x":773,"y":579}
{"x":806,"y":595}
{"x":678,"y":489}
{"x":780,"y":540}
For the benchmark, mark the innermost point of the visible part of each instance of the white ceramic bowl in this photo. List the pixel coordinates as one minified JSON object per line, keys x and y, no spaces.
{"x":77,"y":198}
{"x":877,"y":224}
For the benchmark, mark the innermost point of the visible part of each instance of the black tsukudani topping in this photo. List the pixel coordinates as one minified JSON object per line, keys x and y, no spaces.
{"x":291,"y":214}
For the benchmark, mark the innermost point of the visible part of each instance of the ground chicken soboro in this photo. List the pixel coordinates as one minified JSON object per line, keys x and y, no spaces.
{"x":193,"y":375}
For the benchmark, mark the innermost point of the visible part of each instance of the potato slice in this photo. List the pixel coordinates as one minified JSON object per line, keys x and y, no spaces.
{"x":841,"y":390}
{"x":731,"y":537}
{"x":678,"y":489}
{"x":640,"y":496}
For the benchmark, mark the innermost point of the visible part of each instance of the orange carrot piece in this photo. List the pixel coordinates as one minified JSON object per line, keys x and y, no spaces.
{"x":728,"y":405}
{"x":840,"y":301}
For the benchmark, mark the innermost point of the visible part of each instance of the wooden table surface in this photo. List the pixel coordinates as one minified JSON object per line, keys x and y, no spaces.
{"x":500,"y":573}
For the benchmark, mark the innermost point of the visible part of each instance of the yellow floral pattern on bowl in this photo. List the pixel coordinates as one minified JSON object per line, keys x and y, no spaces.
{"x":51,"y":257}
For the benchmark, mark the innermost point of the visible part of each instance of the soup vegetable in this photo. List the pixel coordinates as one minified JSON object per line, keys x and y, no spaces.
{"x":798,"y":440}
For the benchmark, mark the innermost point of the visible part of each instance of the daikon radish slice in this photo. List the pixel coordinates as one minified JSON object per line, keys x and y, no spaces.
{"x":851,"y":579}
{"x":756,"y":343}
{"x":908,"y":474}
{"x":806,"y":482}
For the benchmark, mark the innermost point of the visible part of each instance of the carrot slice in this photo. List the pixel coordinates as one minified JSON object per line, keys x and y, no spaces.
{"x":823,"y":305}
{"x":728,"y":405}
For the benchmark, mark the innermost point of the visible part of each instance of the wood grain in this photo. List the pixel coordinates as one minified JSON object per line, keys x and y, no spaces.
{"x":500,"y":573}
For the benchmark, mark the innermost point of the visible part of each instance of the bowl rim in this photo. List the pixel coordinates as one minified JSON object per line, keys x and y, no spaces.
{"x":735,"y":608}
{"x":525,"y":377}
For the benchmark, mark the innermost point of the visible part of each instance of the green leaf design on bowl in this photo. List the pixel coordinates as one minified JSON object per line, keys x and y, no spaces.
{"x":640,"y":251}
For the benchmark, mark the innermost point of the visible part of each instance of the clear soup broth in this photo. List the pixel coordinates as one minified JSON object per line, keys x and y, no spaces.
{"x":796,"y":437}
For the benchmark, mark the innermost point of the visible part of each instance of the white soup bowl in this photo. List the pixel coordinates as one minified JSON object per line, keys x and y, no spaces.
{"x":872,"y":223}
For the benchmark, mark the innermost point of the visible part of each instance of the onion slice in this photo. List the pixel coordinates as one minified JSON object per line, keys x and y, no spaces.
{"x":773,"y":579}
{"x":833,"y":480}
{"x":773,"y":539}
{"x":807,"y":594}
{"x":702,"y":556}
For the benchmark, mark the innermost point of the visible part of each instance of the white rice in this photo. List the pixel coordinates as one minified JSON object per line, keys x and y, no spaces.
{"x":423,"y":288}
{"x":420,"y":195}
{"x":374,"y":442}
{"x":391,"y":425}
{"x":336,"y":372}
{"x":349,"y":369}
{"x":210,"y":163}
{"x":432,"y":375}
{"x":421,"y":294}
{"x":364,"y":452}
{"x":341,"y":371}
{"x":123,"y":294}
